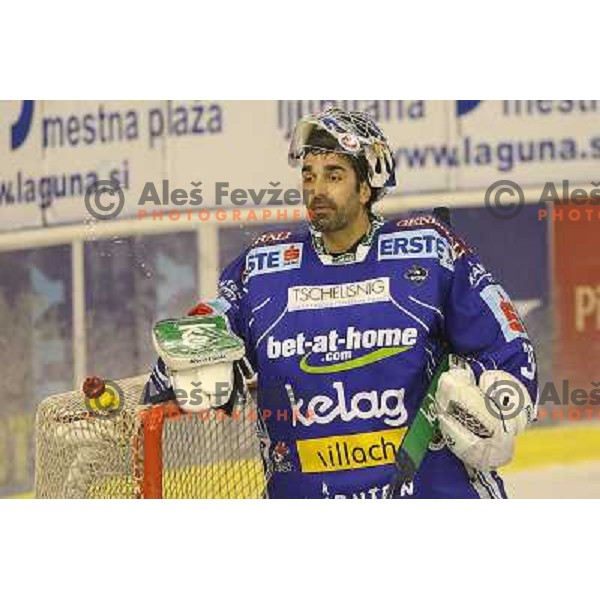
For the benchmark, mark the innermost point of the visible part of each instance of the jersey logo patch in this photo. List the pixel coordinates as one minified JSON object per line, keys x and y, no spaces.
{"x":353,"y":451}
{"x":272,"y":236}
{"x":423,"y":243}
{"x":272,"y":259}
{"x":416,"y":274}
{"x":317,"y":297}
{"x":506,"y":314}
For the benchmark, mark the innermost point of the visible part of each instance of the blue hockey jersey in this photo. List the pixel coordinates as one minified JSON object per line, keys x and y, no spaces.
{"x":345,"y":347}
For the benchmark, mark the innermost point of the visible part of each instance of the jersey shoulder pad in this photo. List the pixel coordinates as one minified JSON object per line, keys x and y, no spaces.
{"x":459,"y":245}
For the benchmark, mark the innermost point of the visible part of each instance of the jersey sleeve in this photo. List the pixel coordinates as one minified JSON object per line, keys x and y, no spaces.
{"x":483,"y":326}
{"x":232,"y":302}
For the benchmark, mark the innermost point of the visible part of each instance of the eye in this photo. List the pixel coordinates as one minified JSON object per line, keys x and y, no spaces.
{"x":335,"y":177}
{"x":307,"y":177}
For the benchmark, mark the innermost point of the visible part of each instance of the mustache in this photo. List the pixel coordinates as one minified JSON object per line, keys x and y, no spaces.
{"x":321,"y":202}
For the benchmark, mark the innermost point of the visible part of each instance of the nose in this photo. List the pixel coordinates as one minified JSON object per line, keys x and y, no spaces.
{"x":320,"y":188}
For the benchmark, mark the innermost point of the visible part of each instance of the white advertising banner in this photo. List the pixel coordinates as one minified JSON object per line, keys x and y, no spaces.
{"x":528,"y":141}
{"x":195,"y":154}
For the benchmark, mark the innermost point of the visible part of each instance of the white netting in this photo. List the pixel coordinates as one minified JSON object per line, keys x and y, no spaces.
{"x":207,"y":455}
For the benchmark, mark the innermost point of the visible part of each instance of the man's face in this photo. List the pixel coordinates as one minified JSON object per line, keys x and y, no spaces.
{"x":335,"y":197}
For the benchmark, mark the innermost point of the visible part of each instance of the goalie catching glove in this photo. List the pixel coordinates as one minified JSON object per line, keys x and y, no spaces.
{"x":479,"y":422}
{"x":205,"y":361}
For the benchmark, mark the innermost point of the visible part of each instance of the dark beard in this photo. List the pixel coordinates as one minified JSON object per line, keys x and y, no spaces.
{"x":331,"y":222}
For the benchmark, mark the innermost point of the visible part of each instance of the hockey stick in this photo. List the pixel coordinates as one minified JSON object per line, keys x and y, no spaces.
{"x":415,"y":444}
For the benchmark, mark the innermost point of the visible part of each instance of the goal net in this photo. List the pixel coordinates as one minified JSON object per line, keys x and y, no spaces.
{"x":145,"y":451}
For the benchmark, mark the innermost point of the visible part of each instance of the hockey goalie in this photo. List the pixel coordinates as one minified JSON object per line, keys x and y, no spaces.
{"x":345,"y":323}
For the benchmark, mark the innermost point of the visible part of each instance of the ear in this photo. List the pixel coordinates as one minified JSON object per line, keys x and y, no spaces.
{"x":365,"y":193}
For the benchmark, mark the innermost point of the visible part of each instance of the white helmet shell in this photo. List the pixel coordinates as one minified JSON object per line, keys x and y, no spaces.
{"x":357,"y":134}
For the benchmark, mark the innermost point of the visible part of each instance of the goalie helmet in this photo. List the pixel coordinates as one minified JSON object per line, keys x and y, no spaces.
{"x":357,"y":135}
